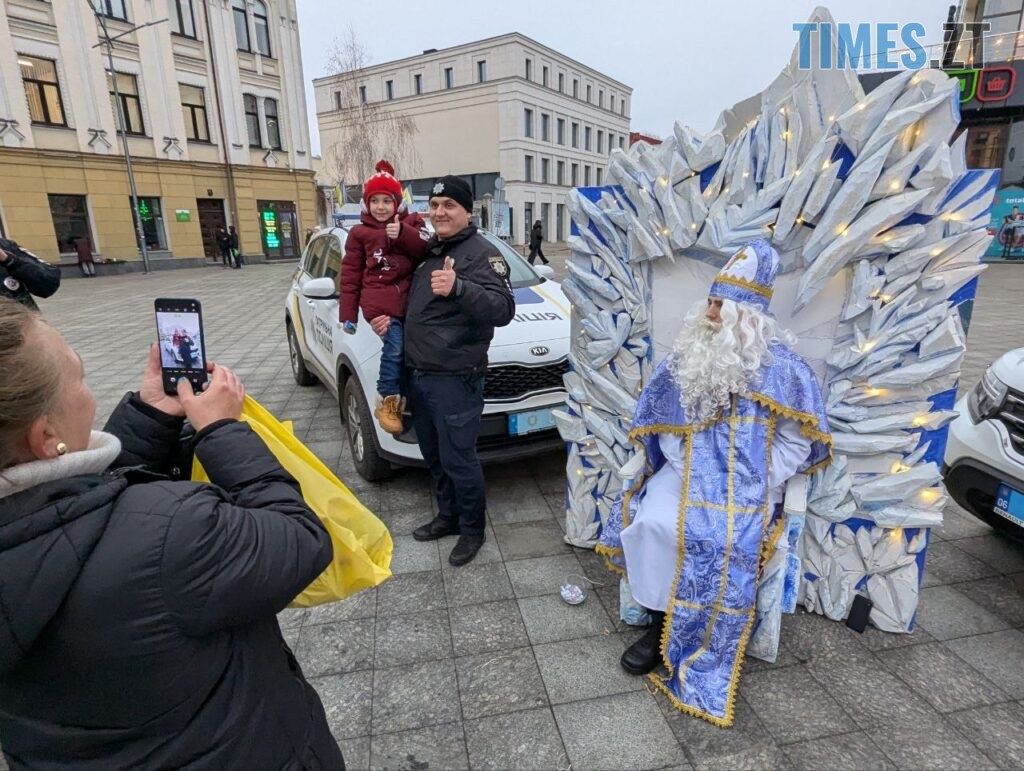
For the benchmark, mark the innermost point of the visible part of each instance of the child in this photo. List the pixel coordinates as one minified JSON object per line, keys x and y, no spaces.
{"x":380,"y":255}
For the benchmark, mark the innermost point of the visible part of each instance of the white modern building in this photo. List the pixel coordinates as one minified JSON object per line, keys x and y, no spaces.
{"x":214,"y":115}
{"x":506,"y":106}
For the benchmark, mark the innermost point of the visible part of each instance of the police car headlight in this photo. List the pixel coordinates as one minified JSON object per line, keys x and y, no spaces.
{"x":986,"y":398}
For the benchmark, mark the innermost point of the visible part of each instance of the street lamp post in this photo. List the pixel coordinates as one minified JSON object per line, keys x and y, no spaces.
{"x":108,"y":43}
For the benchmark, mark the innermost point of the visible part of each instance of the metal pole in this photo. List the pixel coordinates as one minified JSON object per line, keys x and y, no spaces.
{"x":139,"y":233}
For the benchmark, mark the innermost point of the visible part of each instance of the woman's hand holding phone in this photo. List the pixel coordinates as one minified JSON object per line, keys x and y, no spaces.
{"x":221,"y":400}
{"x":152,"y":390}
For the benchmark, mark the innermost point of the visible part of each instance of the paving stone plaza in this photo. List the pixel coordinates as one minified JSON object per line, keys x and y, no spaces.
{"x":486,"y":667}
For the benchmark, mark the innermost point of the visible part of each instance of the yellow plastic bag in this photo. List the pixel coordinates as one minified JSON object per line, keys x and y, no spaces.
{"x":362,"y":543}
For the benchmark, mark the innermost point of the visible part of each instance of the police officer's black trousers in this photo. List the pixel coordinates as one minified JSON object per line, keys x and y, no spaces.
{"x":446,"y":411}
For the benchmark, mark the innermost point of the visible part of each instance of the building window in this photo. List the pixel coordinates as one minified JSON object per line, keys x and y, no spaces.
{"x":586,"y":176}
{"x":183,"y":21}
{"x":611,"y":102}
{"x":252,"y":120}
{"x":131,"y":106}
{"x":576,"y":135}
{"x":545,"y":166}
{"x":575,"y":174}
{"x":575,"y":89}
{"x":70,"y":220}
{"x":586,"y":137}
{"x":273,"y":125}
{"x":528,"y":218}
{"x":600,"y":141}
{"x":545,"y":127}
{"x":986,"y":146}
{"x":362,"y":94}
{"x":560,"y":172}
{"x":42,"y":89}
{"x":449,"y":77}
{"x":588,"y":94}
{"x":241,"y":25}
{"x":622,"y":110}
{"x":114,"y":9}
{"x":544,"y":76}
{"x":600,"y":97}
{"x":337,"y":100}
{"x":193,"y":105}
{"x":417,"y":83}
{"x":259,"y":20}
{"x":527,"y":123}
{"x":529,"y":69}
{"x":528,"y":168}
{"x":598,"y":176}
{"x":481,"y":72}
{"x":611,"y":142}
{"x":561,"y":131}
{"x":389,"y":89}
{"x":152,"y":219}
{"x":561,"y":82}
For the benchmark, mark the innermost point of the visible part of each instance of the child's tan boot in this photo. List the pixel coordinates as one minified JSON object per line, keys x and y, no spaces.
{"x":389,"y":415}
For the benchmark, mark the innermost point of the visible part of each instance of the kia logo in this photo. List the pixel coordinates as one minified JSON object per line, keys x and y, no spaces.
{"x":540,"y":350}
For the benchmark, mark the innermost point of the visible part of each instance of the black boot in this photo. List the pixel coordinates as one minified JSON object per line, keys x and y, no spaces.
{"x":465,"y":549}
{"x":643,"y":656}
{"x":436,"y":528}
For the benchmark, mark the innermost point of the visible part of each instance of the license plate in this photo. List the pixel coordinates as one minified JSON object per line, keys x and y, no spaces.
{"x":1010,"y":504}
{"x":520,"y":423}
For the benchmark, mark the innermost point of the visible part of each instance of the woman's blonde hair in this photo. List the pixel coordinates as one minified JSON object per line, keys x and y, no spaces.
{"x":29,"y":377}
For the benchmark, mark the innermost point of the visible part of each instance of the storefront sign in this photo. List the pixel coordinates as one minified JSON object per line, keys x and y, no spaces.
{"x":271,"y":239}
{"x":183,"y":215}
{"x":991,"y":84}
{"x":1007,"y":225}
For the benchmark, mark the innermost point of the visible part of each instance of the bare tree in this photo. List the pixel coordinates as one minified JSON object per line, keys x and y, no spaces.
{"x":369,"y":131}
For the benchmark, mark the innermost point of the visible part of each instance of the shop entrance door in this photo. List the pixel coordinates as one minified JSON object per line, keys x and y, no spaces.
{"x":279,"y":230}
{"x":211,"y":219}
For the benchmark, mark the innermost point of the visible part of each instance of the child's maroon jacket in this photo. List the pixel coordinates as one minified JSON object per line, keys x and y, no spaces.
{"x":376,"y":272}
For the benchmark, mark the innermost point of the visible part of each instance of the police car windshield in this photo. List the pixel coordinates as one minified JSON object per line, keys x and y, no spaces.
{"x":520,"y":273}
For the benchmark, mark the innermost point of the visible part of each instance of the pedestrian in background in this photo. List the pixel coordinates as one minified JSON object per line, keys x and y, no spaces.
{"x":139,"y":623}
{"x":459,"y":294}
{"x":236,"y":254}
{"x":83,"y":247}
{"x":536,"y":238}
{"x":224,"y":246}
{"x":22,"y":275}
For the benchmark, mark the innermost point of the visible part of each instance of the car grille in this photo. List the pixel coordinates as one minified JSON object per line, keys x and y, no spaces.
{"x":507,"y":382}
{"x":1011,"y":415}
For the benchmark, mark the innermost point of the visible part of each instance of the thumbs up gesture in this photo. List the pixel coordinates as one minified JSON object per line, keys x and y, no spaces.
{"x":392,"y":228}
{"x":443,"y":281}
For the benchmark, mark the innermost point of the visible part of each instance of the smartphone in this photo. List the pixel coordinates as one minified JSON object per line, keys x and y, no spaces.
{"x":182,"y":342}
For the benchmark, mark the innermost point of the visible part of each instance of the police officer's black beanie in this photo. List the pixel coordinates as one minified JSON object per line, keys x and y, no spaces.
{"x":455,"y":188}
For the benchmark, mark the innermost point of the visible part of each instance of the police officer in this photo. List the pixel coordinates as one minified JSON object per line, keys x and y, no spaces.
{"x":22,"y":275}
{"x":459,"y":294}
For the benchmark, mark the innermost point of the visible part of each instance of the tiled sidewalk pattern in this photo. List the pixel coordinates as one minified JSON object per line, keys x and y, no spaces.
{"x":485,"y":667}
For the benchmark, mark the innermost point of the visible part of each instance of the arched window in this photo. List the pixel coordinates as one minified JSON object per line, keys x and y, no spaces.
{"x":241,"y":25}
{"x":259,"y":16}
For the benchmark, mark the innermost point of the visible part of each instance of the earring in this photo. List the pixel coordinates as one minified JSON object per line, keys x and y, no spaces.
{"x":62,"y":449}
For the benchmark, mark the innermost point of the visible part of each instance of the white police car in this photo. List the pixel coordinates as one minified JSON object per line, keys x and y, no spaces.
{"x":527,"y":360}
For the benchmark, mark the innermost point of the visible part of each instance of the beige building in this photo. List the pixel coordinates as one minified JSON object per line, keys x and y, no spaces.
{"x":505,"y":106}
{"x":214,"y":114}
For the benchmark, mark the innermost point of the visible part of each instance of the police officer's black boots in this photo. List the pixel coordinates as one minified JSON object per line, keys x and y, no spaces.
{"x":465,"y":549}
{"x":643,"y":656}
{"x":436,"y":528}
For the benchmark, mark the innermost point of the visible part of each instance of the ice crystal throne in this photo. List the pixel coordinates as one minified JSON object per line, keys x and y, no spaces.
{"x":880,"y":226}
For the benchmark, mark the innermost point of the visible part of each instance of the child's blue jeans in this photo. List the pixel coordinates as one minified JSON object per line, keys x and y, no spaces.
{"x":389,"y":381}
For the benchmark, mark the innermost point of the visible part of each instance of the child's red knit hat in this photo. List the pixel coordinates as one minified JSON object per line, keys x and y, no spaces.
{"x":383,"y":182}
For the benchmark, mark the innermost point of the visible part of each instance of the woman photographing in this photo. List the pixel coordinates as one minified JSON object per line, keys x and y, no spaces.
{"x":138,"y":611}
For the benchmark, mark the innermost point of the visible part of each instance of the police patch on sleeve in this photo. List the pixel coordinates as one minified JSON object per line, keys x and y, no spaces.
{"x":498,"y":265}
{"x":12,"y":283}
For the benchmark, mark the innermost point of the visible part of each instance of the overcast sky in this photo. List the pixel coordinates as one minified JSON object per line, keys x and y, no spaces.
{"x":686,"y":60}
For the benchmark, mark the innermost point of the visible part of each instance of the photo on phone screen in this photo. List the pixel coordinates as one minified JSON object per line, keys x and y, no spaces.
{"x":179,"y":329}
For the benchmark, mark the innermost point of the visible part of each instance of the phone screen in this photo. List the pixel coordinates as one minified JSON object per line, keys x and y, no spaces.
{"x":179,"y":329}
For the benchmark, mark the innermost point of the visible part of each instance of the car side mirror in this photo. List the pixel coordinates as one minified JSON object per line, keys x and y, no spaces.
{"x":320,"y":289}
{"x":545,"y":271}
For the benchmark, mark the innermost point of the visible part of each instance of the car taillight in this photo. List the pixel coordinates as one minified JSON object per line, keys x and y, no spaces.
{"x":986,"y":398}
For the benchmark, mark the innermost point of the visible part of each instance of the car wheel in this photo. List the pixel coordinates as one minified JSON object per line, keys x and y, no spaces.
{"x":362,"y":438}
{"x":302,"y":375}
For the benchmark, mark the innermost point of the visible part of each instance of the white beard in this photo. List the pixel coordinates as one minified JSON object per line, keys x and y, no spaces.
{"x":710,"y":361}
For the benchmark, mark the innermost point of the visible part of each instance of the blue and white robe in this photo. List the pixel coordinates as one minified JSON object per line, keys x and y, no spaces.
{"x":723,"y":511}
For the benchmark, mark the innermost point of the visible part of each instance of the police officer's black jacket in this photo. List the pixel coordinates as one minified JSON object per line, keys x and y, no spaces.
{"x":452,"y":334}
{"x":23,"y":275}
{"x":137,"y":613}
